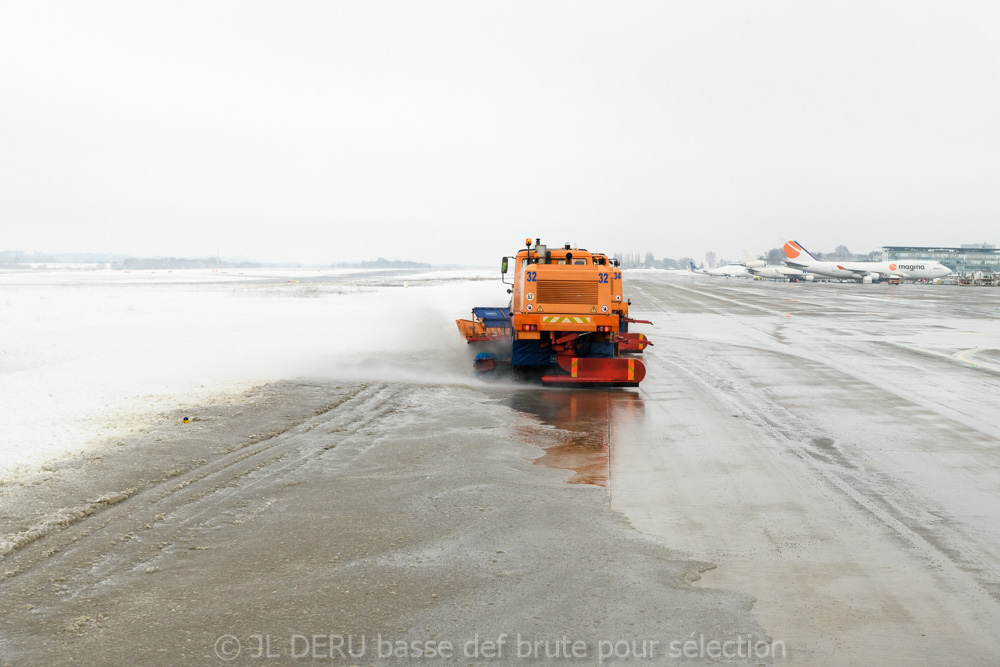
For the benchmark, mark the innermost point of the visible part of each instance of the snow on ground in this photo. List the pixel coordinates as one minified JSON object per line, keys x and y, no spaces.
{"x":88,"y":356}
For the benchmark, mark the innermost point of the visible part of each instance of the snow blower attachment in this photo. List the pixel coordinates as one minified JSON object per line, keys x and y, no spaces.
{"x":567,"y":321}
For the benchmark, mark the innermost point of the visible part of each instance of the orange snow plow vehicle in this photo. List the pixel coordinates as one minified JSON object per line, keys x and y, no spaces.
{"x":567,"y":321}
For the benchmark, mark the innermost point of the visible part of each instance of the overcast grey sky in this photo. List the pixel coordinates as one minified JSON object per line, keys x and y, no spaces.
{"x":451,"y":131}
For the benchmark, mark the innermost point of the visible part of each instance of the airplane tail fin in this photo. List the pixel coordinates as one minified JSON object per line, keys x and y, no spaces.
{"x":798,"y":254}
{"x":751,"y":261}
{"x":692,"y":267}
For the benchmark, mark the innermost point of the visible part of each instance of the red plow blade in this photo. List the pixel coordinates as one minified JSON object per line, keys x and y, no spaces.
{"x":598,"y":372}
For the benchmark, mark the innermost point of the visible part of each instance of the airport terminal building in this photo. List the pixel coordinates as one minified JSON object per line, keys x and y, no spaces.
{"x":968,"y":258}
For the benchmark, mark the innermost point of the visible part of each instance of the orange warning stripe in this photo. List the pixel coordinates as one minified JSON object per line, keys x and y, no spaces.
{"x":631,"y":370}
{"x":573,"y":367}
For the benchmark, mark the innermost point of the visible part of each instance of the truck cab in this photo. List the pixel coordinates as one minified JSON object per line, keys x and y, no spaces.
{"x":564,"y":289}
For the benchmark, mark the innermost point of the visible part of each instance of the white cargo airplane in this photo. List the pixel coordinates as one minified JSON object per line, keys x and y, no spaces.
{"x":728,"y":271}
{"x":800,"y":258}
{"x":761,"y":269}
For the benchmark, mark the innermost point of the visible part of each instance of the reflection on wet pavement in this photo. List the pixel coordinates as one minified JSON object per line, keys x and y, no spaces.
{"x":586,"y":417}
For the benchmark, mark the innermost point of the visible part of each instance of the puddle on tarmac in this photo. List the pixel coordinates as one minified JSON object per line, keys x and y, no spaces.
{"x":586,"y":419}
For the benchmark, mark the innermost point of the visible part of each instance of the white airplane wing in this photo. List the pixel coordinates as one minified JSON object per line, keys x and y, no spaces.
{"x":859,"y":271}
{"x":796,"y":265}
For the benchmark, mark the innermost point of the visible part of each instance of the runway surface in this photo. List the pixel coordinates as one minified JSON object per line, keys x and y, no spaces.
{"x":834,"y":449}
{"x":811,"y":466}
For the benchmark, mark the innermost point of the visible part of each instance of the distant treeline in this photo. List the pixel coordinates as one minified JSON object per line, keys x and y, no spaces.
{"x":19,"y":258}
{"x":840,"y":254}
{"x":382,"y":263}
{"x":635,"y":260}
{"x":171,"y":263}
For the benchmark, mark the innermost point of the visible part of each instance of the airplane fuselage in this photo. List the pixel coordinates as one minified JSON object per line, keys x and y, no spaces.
{"x":778,"y":272}
{"x":916,"y":270}
{"x":799,"y":258}
{"x":728,"y":271}
{"x":911,"y":270}
{"x":829,"y":270}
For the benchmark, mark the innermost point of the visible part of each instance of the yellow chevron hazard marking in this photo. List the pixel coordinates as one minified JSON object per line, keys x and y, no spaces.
{"x":559,"y":319}
{"x":573,"y":367}
{"x":631,"y":370}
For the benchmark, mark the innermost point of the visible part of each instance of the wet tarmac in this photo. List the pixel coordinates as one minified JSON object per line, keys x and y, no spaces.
{"x":834,"y":449}
{"x":345,"y":523}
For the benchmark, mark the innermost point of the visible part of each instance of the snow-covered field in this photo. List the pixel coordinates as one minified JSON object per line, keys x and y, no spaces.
{"x":89,"y":356}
